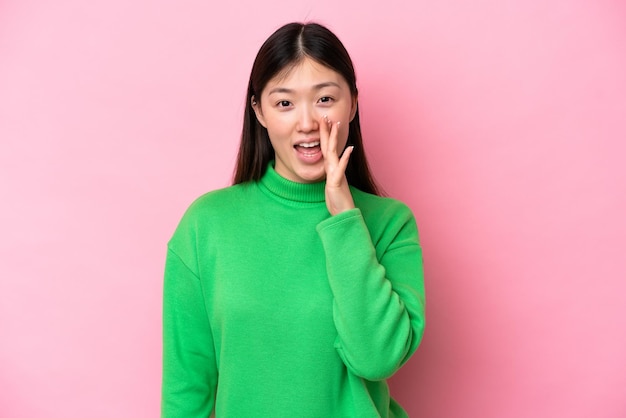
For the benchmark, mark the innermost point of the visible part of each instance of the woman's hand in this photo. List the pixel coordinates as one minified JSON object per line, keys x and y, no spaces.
{"x":338,"y":196}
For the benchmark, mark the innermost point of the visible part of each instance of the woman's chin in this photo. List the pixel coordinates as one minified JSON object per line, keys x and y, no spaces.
{"x":311,"y":174}
{"x":302,"y":173}
{"x":312,"y":178}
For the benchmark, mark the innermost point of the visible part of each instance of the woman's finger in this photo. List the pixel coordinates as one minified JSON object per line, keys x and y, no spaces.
{"x":325,"y":137}
{"x":343,"y":161}
{"x":323,"y":134}
{"x":332,"y":142}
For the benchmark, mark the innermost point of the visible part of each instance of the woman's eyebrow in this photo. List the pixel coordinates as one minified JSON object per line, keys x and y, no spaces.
{"x":326,"y":84}
{"x":315,"y":87}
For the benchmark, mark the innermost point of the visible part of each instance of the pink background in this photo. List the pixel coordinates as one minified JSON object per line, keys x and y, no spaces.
{"x":501,"y":123}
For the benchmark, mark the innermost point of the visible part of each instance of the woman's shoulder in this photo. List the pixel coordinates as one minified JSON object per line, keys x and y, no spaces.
{"x":216,"y":204}
{"x":219,"y":198}
{"x":385,"y":217}
{"x":372,"y":205}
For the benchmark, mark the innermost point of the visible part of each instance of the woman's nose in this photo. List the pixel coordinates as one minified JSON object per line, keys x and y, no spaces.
{"x":308,"y":120}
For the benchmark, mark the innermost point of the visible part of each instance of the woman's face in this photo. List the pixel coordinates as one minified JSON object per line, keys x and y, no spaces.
{"x":291,"y":108}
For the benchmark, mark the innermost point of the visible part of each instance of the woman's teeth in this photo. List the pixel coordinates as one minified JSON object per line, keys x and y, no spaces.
{"x":309,"y":144}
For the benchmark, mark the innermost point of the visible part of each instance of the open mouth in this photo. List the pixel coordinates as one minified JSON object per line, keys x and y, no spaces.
{"x":309,"y":149}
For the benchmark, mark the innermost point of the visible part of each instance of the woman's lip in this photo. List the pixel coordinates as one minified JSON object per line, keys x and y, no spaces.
{"x":308,"y":155}
{"x":306,"y":141}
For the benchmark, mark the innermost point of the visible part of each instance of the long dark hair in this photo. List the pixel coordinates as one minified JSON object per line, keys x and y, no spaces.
{"x":287,"y":47}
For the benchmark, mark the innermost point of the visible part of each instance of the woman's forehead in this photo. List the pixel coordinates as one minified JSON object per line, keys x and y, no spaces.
{"x":306,"y":73}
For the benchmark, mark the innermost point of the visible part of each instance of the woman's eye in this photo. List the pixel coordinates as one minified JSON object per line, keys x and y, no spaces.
{"x":284,"y":103}
{"x":326,"y":99}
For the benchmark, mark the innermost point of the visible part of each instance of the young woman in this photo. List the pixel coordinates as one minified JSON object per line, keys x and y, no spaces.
{"x":298,"y":290}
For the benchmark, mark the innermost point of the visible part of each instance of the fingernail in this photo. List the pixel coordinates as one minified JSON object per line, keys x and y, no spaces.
{"x":338,"y":123}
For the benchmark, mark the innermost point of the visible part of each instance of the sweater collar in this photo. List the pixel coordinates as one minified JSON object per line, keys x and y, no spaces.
{"x":291,"y":191}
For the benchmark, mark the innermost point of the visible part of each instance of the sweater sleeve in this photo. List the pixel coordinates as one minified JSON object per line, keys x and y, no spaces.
{"x":189,"y":366}
{"x":378,"y":291}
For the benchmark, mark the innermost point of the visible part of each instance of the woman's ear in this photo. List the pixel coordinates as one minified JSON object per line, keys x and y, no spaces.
{"x":256,"y":106}
{"x":355,"y":106}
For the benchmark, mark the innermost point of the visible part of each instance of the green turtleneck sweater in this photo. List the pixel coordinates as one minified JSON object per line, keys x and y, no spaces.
{"x":274,"y":308}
